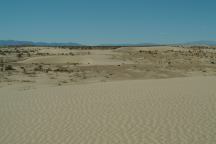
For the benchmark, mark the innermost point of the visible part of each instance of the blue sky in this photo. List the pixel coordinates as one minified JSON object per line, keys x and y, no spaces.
{"x":108,"y":21}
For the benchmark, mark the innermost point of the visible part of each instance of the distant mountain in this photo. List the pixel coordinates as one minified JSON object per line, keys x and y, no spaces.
{"x":19,"y":43}
{"x":209,"y":43}
{"x":195,"y":43}
{"x":30,"y":43}
{"x":128,"y":44}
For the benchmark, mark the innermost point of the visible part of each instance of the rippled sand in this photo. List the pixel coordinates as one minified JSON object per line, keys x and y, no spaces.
{"x":169,"y":111}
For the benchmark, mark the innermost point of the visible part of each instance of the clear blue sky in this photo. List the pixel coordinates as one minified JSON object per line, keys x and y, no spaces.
{"x":108,"y":21}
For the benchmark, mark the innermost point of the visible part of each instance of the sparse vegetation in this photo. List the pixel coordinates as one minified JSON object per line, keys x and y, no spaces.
{"x":9,"y":67}
{"x":144,"y":63}
{"x":19,"y":55}
{"x":38,"y":68}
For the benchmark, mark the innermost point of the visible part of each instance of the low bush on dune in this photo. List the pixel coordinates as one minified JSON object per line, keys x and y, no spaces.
{"x":9,"y":67}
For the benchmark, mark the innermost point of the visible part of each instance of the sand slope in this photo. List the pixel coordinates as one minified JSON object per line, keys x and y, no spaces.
{"x":169,"y":111}
{"x":80,"y":59}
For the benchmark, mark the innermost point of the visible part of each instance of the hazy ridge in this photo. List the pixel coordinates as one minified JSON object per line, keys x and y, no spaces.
{"x":31,"y":43}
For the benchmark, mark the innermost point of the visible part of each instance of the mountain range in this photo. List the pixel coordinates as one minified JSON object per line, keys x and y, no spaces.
{"x":18,"y":43}
{"x":209,"y":43}
{"x":30,"y":43}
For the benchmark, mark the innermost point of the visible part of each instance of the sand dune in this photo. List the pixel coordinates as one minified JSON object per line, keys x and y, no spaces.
{"x":169,"y":111}
{"x":80,"y":59}
{"x":36,"y":66}
{"x":161,"y":48}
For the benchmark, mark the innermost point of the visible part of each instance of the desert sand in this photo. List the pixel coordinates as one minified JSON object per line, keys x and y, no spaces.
{"x":54,"y":66}
{"x":167,"y":111}
{"x":126,"y":95}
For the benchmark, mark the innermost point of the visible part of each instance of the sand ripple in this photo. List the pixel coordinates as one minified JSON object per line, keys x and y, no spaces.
{"x":171,"y":111}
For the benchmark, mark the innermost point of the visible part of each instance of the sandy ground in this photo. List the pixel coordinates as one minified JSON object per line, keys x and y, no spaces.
{"x":38,"y":66}
{"x":128,"y":95}
{"x":167,"y":111}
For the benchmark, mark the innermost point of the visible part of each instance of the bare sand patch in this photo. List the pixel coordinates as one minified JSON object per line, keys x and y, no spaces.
{"x":162,"y":48}
{"x":169,"y":111}
{"x":79,"y":59}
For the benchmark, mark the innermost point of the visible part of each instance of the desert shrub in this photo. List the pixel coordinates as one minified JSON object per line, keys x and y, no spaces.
{"x":75,"y":64}
{"x":48,"y":69}
{"x":71,"y":54}
{"x":2,"y":53}
{"x":28,"y":54}
{"x":9,"y":67}
{"x":62,"y":69}
{"x":19,"y":55}
{"x":38,"y":68}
